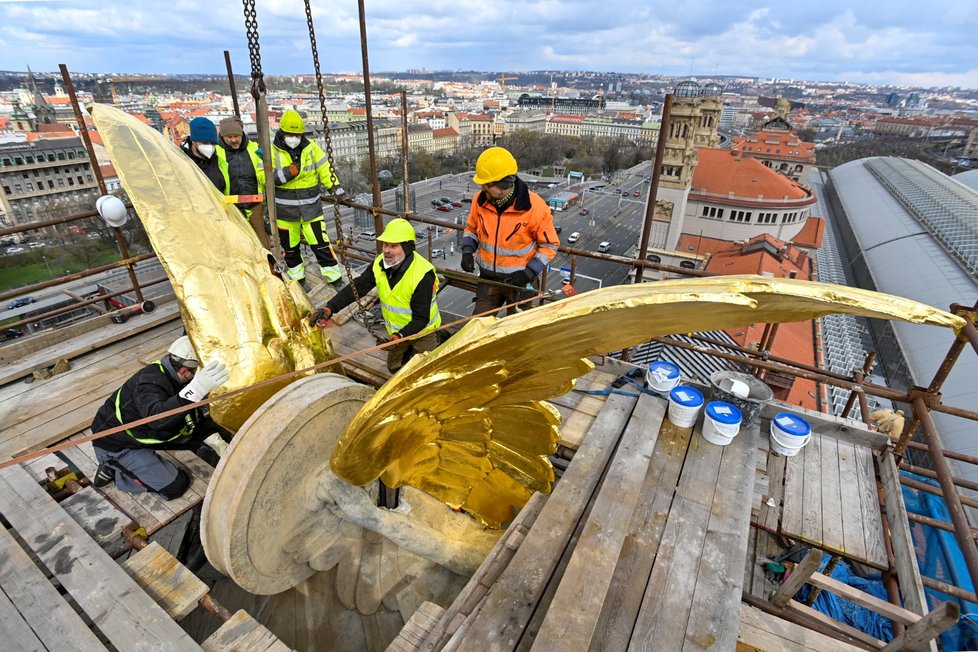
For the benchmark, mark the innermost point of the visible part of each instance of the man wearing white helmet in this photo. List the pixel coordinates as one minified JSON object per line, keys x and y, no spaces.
{"x":129,"y":457}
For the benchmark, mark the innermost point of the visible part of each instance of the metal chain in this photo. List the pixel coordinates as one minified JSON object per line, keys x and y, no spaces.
{"x":254,"y":50}
{"x":334,"y":180}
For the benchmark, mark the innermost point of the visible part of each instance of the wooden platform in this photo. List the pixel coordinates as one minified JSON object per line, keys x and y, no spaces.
{"x":642,"y":543}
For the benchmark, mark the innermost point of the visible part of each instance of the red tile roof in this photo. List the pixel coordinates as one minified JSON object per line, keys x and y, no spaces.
{"x":781,"y":145}
{"x":447,"y":132}
{"x":108,"y":171}
{"x":812,"y":234}
{"x":722,"y":172}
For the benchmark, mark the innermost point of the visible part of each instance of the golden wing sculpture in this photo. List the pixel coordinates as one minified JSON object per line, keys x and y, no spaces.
{"x":233,"y":307}
{"x":469,"y":423}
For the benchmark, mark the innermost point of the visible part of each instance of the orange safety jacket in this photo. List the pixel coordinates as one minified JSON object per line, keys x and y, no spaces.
{"x":522,"y":238}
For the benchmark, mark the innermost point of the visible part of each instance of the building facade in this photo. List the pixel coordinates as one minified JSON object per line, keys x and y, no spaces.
{"x":39,"y":180}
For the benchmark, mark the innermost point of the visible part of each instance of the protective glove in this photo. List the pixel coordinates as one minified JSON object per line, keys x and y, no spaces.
{"x":293,"y":171}
{"x":393,"y":337}
{"x":217,"y":444}
{"x":322,"y":314}
{"x":468,"y":262}
{"x":206,"y":380}
{"x":338,"y":192}
{"x":519,"y":279}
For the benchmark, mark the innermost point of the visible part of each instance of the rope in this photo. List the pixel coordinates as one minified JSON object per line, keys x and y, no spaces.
{"x":241,"y":390}
{"x":327,"y":140}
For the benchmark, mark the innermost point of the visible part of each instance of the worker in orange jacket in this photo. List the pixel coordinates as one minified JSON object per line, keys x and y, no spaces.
{"x":510,"y":231}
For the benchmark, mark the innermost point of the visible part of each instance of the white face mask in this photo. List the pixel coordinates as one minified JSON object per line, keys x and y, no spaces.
{"x":292,"y":141}
{"x":205,"y":149}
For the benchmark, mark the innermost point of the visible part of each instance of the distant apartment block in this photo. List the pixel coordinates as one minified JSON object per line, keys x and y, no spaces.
{"x":37,"y":178}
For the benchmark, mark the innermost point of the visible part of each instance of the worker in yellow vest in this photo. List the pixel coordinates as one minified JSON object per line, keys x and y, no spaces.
{"x":300,"y":167}
{"x":407,"y":288}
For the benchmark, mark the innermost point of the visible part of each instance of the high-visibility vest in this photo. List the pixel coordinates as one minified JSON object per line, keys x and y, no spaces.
{"x":298,"y":199}
{"x":190,"y":419}
{"x":222,"y":165}
{"x":395,"y":303}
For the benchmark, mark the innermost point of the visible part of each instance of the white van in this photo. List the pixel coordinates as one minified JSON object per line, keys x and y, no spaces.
{"x":604,"y":246}
{"x":573,"y":237}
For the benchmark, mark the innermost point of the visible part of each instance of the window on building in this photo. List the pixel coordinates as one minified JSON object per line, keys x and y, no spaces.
{"x":61,"y":156}
{"x":26,"y":175}
{"x":80,"y":182}
{"x":37,"y":173}
{"x":740,"y":216}
{"x":50,"y":184}
{"x":51,"y":157}
{"x":30,"y":187}
{"x":18,"y":188}
{"x":71,"y":182}
{"x":687,"y":264}
{"x":61,"y":183}
{"x":654,"y":259}
{"x":19,"y":160}
{"x":71,"y":155}
{"x":6,"y":190}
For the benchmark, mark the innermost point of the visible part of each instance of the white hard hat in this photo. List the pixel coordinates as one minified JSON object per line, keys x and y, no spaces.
{"x":112,"y":210}
{"x":184,"y":350}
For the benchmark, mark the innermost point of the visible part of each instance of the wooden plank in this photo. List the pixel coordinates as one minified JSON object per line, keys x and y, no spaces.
{"x":97,"y":337}
{"x":833,"y":494}
{"x":871,"y":602}
{"x":39,"y":604}
{"x":166,"y":580}
{"x":850,"y":430}
{"x":715,"y":605}
{"x":149,"y":513}
{"x":941,"y":619}
{"x":771,"y":504}
{"x":905,"y":560}
{"x":794,"y":495}
{"x":99,"y":518}
{"x":857,"y":634}
{"x":803,"y":571}
{"x":511,"y":599}
{"x":663,"y":617}
{"x":624,"y":598}
{"x":768,"y":633}
{"x":869,"y":503}
{"x":573,"y":613}
{"x":240,"y":633}
{"x":811,"y":518}
{"x":583,"y":408}
{"x":17,"y":634}
{"x":417,"y":628}
{"x":852,"y":516}
{"x":123,"y":613}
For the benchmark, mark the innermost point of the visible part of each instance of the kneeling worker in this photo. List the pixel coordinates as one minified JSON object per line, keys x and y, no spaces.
{"x":129,"y":457}
{"x":407,"y":288}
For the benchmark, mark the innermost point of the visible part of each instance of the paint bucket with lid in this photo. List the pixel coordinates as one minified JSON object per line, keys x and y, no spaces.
{"x":685,"y":403}
{"x":722,"y":422}
{"x":662,"y":376}
{"x":789,"y":433}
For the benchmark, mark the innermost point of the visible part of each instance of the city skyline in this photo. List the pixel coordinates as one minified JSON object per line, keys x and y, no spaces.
{"x":892,"y":43}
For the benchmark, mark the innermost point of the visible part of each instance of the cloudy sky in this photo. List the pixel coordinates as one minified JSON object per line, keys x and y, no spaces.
{"x":887,"y":41}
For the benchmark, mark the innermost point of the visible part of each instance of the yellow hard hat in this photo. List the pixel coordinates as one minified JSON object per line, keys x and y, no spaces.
{"x":494,"y":164}
{"x":397,"y":230}
{"x":292,"y":123}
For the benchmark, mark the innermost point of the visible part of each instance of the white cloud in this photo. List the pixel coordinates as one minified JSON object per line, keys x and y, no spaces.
{"x":896,"y":40}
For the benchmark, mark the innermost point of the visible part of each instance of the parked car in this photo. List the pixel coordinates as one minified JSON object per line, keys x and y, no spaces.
{"x":573,"y":237}
{"x":421,"y":235}
{"x":35,"y":245}
{"x":10,"y":334}
{"x":585,"y":211}
{"x":367,"y":235}
{"x":457,"y":204}
{"x":446,"y":200}
{"x":604,"y":246}
{"x":15,"y":250}
{"x":565,"y":277}
{"x":467,"y":200}
{"x":437,"y":253}
{"x":558,"y":228}
{"x":436,"y":202}
{"x":636,"y":193}
{"x":19,"y":302}
{"x":444,"y":208}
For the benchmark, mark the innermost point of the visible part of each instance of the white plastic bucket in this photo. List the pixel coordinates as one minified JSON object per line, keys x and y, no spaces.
{"x":684,"y":406}
{"x":722,"y":423}
{"x":662,"y":376}
{"x":789,"y":433}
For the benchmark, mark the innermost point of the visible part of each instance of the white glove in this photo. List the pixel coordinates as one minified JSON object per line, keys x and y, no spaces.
{"x":205,"y":381}
{"x":338,"y":192}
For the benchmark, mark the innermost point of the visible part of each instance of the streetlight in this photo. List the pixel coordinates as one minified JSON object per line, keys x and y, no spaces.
{"x":45,"y":258}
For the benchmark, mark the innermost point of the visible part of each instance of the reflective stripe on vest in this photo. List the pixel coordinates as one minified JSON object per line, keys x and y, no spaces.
{"x":188,"y":428}
{"x":395,"y":304}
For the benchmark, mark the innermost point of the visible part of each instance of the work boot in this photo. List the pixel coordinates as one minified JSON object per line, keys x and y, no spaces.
{"x":104,"y":475}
